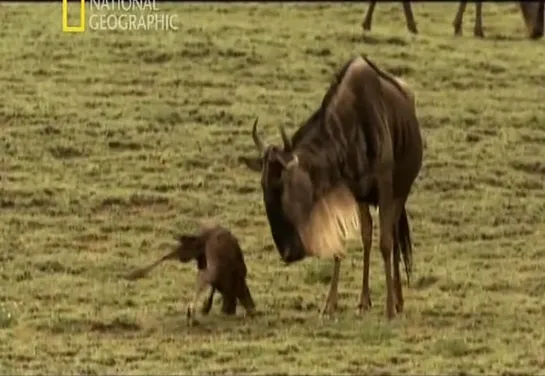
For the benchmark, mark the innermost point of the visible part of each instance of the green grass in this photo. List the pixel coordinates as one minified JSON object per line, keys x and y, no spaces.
{"x":112,"y":142}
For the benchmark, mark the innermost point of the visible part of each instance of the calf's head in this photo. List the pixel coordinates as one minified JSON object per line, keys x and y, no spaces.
{"x":288,"y":194}
{"x":189,"y":247}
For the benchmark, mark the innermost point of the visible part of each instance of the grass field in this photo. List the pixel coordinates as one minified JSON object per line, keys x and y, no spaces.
{"x":112,"y":142}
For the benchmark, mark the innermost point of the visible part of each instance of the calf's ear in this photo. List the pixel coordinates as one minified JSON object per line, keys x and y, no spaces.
{"x":254,"y":164}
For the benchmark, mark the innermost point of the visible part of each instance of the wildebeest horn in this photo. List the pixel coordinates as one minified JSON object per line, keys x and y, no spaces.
{"x":285,"y":138}
{"x":257,"y":141}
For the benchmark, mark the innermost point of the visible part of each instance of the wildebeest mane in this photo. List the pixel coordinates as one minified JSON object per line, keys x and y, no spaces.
{"x":318,"y":115}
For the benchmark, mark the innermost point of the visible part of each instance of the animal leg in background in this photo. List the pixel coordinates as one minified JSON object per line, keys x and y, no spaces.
{"x":407,"y":10}
{"x":368,"y":19}
{"x":458,"y":19}
{"x":204,"y":279}
{"x":207,"y":306}
{"x":366,"y":222}
{"x":331,"y":300}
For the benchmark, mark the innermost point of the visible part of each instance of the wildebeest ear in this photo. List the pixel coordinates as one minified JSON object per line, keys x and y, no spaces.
{"x":254,"y":164}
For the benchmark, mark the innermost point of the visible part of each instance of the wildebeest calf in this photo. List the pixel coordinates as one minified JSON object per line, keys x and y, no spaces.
{"x":220,"y":265}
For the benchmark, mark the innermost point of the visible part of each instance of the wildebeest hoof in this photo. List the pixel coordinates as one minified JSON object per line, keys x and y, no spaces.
{"x":365,"y":305}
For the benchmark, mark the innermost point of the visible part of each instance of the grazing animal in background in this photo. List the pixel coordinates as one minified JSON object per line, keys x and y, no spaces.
{"x":361,"y":147}
{"x":532,"y":13}
{"x":220,"y":264}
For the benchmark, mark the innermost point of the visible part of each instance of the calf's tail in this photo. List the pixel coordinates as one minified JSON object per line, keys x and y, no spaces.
{"x":403,"y":244}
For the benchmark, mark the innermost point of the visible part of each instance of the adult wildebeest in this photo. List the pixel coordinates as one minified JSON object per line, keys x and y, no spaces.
{"x":532,"y":13}
{"x":361,"y":147}
{"x":220,"y":264}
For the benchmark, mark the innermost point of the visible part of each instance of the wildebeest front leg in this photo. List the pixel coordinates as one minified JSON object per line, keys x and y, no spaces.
{"x":367,"y":240}
{"x":331,"y":300}
{"x":203,"y":280}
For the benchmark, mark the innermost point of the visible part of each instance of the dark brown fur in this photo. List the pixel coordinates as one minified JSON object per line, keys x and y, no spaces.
{"x":532,"y":13}
{"x":365,"y":140}
{"x":220,"y":264}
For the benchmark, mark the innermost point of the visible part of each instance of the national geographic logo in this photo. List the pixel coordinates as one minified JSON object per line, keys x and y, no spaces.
{"x":118,"y":15}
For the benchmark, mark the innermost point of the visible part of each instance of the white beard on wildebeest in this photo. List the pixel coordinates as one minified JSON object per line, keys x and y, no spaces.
{"x":333,"y":220}
{"x":362,"y":147}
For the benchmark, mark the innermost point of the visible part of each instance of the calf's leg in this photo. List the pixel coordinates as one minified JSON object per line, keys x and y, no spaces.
{"x":204,"y":279}
{"x":245,"y":298}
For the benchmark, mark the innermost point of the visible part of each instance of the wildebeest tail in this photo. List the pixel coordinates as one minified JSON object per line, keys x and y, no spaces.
{"x":403,"y":244}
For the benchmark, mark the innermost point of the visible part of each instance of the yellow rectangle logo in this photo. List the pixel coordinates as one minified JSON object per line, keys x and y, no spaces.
{"x":73,"y":29}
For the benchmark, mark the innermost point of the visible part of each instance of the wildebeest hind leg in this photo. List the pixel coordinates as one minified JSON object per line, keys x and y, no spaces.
{"x":367,"y":240}
{"x":397,"y":275}
{"x":387,"y":221}
{"x":399,"y":206}
{"x":331,"y":300}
